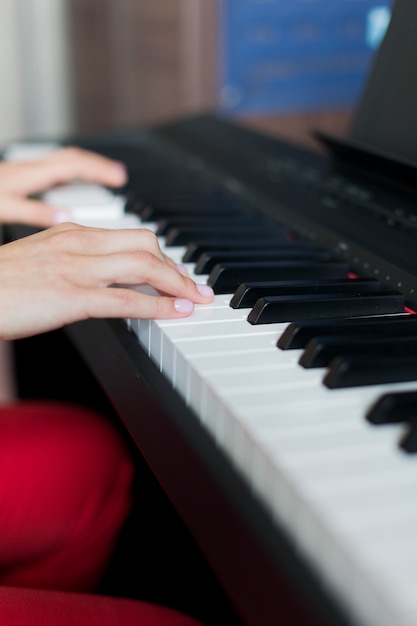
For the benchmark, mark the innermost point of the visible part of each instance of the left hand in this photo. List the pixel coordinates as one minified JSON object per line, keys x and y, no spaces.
{"x":18,"y":180}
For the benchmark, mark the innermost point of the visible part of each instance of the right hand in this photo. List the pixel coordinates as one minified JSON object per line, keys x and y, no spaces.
{"x":70,"y":273}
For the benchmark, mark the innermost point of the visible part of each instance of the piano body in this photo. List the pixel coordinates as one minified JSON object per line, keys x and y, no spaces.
{"x":280,"y":420}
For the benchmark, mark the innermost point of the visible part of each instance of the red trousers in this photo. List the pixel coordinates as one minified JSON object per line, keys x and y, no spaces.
{"x":65,"y":492}
{"x":34,"y":607}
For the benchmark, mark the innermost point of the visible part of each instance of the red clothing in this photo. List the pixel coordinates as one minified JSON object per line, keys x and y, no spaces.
{"x":33,"y":607}
{"x":65,"y":492}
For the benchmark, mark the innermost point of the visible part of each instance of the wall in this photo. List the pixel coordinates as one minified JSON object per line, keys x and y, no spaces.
{"x":142,"y":61}
{"x":34,"y":101}
{"x":34,"y":70}
{"x":90,"y":64}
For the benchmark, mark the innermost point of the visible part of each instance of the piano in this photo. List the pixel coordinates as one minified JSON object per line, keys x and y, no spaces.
{"x":282,"y":414}
{"x":280,"y":419}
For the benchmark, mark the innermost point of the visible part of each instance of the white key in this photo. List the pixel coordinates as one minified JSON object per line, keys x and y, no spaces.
{"x":87,"y":202}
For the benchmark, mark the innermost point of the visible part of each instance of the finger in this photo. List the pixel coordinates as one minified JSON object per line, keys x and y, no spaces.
{"x":128,"y":303}
{"x":60,"y":167}
{"x":76,"y":163}
{"x":83,"y":242}
{"x":105,"y":303}
{"x":136,"y":268}
{"x":24,"y":211}
{"x":91,"y":240}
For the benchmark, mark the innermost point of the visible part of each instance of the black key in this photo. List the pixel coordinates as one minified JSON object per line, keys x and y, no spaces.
{"x":183,"y":236}
{"x":321,"y":350}
{"x":393,"y":408}
{"x":247,"y":294}
{"x":208,"y":260}
{"x":227,"y":277}
{"x":134,"y":204}
{"x":298,"y":333}
{"x":196,"y":248}
{"x":151,"y":213}
{"x":408,"y":441}
{"x":273,"y":309}
{"x":358,"y":371}
{"x":169,"y":200}
{"x":204,"y":221}
{"x":152,"y":207}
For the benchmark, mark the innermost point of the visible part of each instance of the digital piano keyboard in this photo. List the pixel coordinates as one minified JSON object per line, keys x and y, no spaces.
{"x":283,"y":414}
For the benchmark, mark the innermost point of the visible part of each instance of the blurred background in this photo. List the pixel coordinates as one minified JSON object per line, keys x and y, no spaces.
{"x":285,"y":66}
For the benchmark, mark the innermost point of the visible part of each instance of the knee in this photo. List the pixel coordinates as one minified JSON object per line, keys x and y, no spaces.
{"x":66,"y":456}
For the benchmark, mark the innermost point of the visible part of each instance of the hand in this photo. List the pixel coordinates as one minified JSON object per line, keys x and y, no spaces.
{"x":19,"y":180}
{"x":69,"y":273}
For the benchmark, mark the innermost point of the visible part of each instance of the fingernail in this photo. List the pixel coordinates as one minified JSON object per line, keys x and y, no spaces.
{"x":182,"y":269}
{"x":120,"y":166}
{"x":120,"y":169}
{"x":62,"y":216}
{"x":204,"y":290}
{"x":183,"y":306}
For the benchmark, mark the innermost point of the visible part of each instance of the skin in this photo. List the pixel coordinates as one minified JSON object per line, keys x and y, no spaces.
{"x":22,"y":179}
{"x":68,"y":273}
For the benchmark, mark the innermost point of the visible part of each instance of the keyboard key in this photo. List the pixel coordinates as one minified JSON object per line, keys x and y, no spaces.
{"x":155,"y":213}
{"x":217,"y":221}
{"x":355,"y":371}
{"x":273,"y":309}
{"x":391,"y":408}
{"x":198,"y":247}
{"x":321,"y":350}
{"x":183,"y":235}
{"x":227,"y":277}
{"x":247,"y":294}
{"x":208,"y":260}
{"x":408,"y":442}
{"x":297,"y":334}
